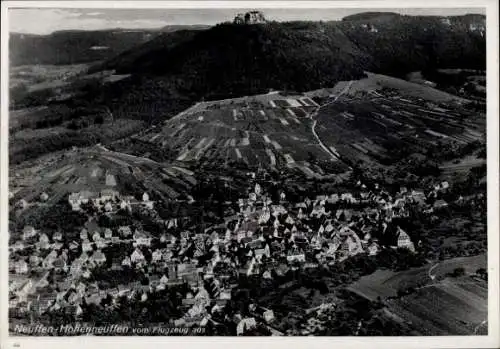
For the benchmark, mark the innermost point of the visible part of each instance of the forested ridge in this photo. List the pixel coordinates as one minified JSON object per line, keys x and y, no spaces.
{"x":174,"y":70}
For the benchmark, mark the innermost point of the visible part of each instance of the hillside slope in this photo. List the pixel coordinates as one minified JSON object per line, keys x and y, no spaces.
{"x":162,"y":77}
{"x":227,"y":61}
{"x":135,"y":55}
{"x":80,"y":46}
{"x":401,"y":44}
{"x":232,"y":60}
{"x":244,"y":59}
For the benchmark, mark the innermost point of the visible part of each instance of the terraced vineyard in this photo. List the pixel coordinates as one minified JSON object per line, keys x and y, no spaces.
{"x":381,"y":128}
{"x":367,"y":121}
{"x":271,"y":130}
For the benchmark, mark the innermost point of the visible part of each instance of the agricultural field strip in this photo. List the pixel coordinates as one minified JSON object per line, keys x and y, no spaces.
{"x":437,"y":134}
{"x":449,"y":301}
{"x":238,"y":153}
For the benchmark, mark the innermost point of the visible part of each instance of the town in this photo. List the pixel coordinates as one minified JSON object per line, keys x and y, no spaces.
{"x":262,"y":239}
{"x":295,"y":173}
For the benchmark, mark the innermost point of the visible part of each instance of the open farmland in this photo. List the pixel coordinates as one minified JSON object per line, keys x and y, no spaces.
{"x":271,"y":130}
{"x":455,"y":305}
{"x":37,"y":77}
{"x":441,"y":304}
{"x":379,"y":122}
{"x":462,"y":166}
{"x":36,"y":116}
{"x":382,"y":128}
{"x":385,"y":283}
{"x":378,"y":82}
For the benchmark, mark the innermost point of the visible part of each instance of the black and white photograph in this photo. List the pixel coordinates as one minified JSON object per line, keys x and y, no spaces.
{"x":253,"y":171}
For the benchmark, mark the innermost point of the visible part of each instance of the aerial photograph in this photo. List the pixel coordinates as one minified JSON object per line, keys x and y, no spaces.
{"x":247,"y":172}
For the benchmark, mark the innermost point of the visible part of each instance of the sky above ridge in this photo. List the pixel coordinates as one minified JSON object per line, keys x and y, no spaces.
{"x":48,"y":20}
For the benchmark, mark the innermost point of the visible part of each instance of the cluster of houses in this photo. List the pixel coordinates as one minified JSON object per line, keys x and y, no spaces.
{"x":265,"y":239}
{"x":107,"y":200}
{"x":23,"y":204}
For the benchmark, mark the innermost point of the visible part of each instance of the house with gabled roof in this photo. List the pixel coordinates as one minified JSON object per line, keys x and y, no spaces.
{"x":101,"y":243}
{"x":350,"y":246}
{"x":93,"y":298}
{"x":59,"y":264}
{"x":259,"y":253}
{"x":404,"y":240}
{"x":96,"y":236}
{"x":318,"y":211}
{"x":57,"y":236}
{"x":141,"y":239}
{"x":108,"y":195}
{"x":18,"y":246}
{"x":440,"y":204}
{"x":49,"y":259}
{"x":108,"y":233}
{"x":43,"y":242}
{"x":108,"y":206}
{"x":75,"y":297}
{"x":97,"y":258}
{"x":295,"y":254}
{"x":373,"y":249}
{"x":137,"y":256}
{"x":250,"y":268}
{"x":29,"y":232}
{"x":84,"y":234}
{"x":126,"y":262}
{"x":21,"y":267}
{"x":76,"y":267}
{"x":87,"y":246}
{"x":156,"y":256}
{"x":34,"y":260}
{"x":125,"y":231}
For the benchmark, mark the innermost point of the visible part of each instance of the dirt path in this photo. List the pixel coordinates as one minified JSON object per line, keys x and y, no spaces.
{"x":432,"y":277}
{"x":315,"y":113}
{"x":480,"y":325}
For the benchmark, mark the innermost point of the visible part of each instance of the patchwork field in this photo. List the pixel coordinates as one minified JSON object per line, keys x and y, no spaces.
{"x":385,"y":283}
{"x":270,"y":130}
{"x":383,"y":128}
{"x":440,"y":304}
{"x":378,"y":122}
{"x":38,"y":77}
{"x":462,"y":166}
{"x":455,"y":305}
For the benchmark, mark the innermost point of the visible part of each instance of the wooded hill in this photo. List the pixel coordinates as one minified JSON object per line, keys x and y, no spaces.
{"x":231,"y":60}
{"x":80,"y":46}
{"x":174,"y":70}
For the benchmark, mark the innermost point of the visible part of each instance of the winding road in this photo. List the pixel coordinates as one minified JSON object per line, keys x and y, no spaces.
{"x":126,"y":156}
{"x":432,"y":277}
{"x":315,"y":113}
{"x":480,"y":325}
